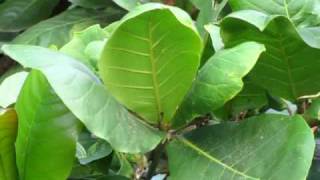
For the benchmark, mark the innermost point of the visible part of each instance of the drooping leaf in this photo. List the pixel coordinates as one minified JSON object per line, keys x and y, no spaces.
{"x":8,"y":130}
{"x":59,"y":29}
{"x":16,"y":15}
{"x":10,"y":88}
{"x":289,"y":66}
{"x":82,"y":92}
{"x":263,"y":147}
{"x":216,"y":39}
{"x":94,"y":4}
{"x":218,"y":81}
{"x":77,"y":46}
{"x":47,"y":132}
{"x":150,"y":60}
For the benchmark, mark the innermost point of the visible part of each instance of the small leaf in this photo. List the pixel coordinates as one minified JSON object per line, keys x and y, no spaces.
{"x":47,"y":132}
{"x":8,"y":130}
{"x":151,"y":59}
{"x":262,"y":147}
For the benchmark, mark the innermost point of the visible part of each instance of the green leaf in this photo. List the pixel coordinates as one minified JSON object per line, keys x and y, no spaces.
{"x":151,"y":59}
{"x":47,"y":132}
{"x":82,"y":92}
{"x":76,"y":48}
{"x":313,"y":111}
{"x":10,"y":88}
{"x":251,"y":97}
{"x":8,"y":130}
{"x":127,"y":4}
{"x":216,"y":39}
{"x":16,"y":15}
{"x":94,"y":4}
{"x":218,"y":81}
{"x":263,"y":147}
{"x":90,"y":149}
{"x":296,"y":11}
{"x":209,"y":12}
{"x":59,"y":29}
{"x":280,"y":69}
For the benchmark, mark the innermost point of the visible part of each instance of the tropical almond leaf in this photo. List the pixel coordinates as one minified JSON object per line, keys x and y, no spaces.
{"x":263,"y":147}
{"x":46,"y":119}
{"x":8,"y":131}
{"x":88,"y":99}
{"x":16,"y":15}
{"x":218,"y":81}
{"x":58,"y":30}
{"x":281,"y":69}
{"x":151,"y":59}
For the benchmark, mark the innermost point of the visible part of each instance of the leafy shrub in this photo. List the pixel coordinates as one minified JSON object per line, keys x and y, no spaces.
{"x":179,"y":90}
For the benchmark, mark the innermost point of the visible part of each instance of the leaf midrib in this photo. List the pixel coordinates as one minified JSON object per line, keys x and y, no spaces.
{"x":213,"y":159}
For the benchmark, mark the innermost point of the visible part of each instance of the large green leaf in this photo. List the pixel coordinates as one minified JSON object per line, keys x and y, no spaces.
{"x":16,"y":15}
{"x":218,"y":81}
{"x":47,"y":132}
{"x":10,"y":88}
{"x":289,"y":66}
{"x":59,"y":29}
{"x":264,"y":147}
{"x":8,"y":130}
{"x":150,"y":60}
{"x":82,"y":92}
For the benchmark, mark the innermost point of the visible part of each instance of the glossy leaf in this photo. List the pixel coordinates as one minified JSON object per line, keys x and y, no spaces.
{"x":10,"y":88}
{"x":8,"y":130}
{"x":16,"y":15}
{"x":47,"y":132}
{"x":218,"y":81}
{"x":59,"y":29}
{"x":281,"y":69}
{"x":82,"y":92}
{"x":263,"y":147}
{"x":151,"y":59}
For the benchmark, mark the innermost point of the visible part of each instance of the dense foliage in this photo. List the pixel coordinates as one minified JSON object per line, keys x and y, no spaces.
{"x":172,"y":89}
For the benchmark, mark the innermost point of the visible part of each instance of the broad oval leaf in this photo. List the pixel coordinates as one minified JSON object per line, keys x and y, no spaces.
{"x":151,"y":59}
{"x":289,"y":67}
{"x":8,"y":131}
{"x":263,"y":147}
{"x":47,"y":132}
{"x":58,"y":30}
{"x":16,"y":15}
{"x":218,"y":81}
{"x":82,"y":92}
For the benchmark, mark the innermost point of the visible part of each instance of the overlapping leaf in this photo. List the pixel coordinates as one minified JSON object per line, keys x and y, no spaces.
{"x":47,"y":132}
{"x":289,"y":66}
{"x":150,"y":60}
{"x":218,"y":81}
{"x":263,"y":147}
{"x":58,"y":30}
{"x":82,"y":92}
{"x":8,"y":130}
{"x":16,"y":15}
